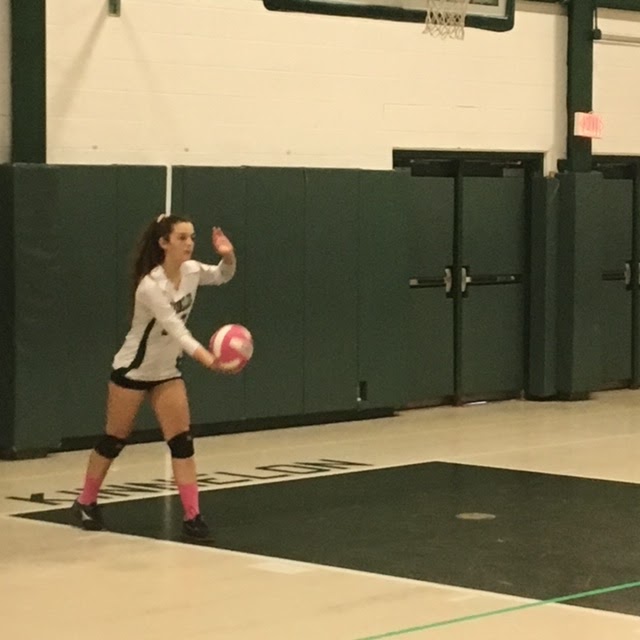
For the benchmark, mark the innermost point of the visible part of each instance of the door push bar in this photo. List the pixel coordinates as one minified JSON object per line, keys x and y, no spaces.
{"x":465,"y":280}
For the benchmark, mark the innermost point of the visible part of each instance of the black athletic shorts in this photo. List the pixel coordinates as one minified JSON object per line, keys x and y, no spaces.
{"x":118,"y":377}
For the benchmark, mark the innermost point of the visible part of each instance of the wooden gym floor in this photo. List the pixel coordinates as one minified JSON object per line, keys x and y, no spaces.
{"x":495,"y":521}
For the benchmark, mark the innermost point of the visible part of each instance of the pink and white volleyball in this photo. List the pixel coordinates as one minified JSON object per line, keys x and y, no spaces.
{"x":232,"y":345}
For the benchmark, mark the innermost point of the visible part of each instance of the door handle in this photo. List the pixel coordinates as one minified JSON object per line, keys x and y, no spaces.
{"x":448,"y":279}
{"x":627,"y":274}
{"x":464,"y":279}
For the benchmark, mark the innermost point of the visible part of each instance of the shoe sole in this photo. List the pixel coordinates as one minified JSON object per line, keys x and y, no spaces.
{"x":189,"y":538}
{"x":81,"y":523}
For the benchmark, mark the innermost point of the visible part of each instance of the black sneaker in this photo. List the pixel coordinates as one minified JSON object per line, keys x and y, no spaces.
{"x":87,"y":516}
{"x":196,"y":529}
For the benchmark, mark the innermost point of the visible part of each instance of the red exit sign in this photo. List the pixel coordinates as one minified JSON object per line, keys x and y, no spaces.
{"x":588,"y":125}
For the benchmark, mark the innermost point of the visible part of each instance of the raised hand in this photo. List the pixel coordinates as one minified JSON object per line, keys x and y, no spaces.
{"x":221,"y":244}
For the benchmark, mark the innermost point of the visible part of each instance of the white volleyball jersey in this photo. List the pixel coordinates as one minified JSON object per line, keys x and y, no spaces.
{"x":158,"y":334}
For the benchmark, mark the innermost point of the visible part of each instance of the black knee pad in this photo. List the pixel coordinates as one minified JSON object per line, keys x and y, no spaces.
{"x":110,"y":446}
{"x":181,"y":445}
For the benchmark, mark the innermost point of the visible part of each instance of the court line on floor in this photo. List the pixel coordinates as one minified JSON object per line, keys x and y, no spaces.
{"x":343,"y":442}
{"x":248,"y":555}
{"x":506,"y":610}
{"x":311,"y":566}
{"x":92,"y":537}
{"x":451,"y":459}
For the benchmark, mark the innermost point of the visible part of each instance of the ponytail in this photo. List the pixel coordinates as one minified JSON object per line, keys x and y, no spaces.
{"x":149,"y":254}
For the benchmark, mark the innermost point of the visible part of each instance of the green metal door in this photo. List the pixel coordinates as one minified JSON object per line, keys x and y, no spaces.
{"x":468,"y":238}
{"x":431,"y":220}
{"x":616,"y":297}
{"x":491,"y":279}
{"x":619,"y":255}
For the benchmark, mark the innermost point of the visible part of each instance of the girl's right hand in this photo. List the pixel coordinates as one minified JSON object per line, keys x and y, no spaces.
{"x":208,"y":360}
{"x":205,"y":358}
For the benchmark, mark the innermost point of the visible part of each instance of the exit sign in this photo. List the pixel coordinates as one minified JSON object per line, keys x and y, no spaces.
{"x":588,"y":125}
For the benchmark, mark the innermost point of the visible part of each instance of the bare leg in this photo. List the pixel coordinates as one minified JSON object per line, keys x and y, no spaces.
{"x":169,"y":401}
{"x":122,"y":407}
{"x":171,"y":406}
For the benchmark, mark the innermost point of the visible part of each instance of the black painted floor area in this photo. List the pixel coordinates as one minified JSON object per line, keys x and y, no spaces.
{"x":551,"y":535}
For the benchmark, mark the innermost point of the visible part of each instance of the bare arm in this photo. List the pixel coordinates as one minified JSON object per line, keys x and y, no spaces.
{"x":223,"y":271}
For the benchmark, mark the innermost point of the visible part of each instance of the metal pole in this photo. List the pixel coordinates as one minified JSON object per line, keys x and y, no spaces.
{"x":114,"y":8}
{"x":603,"y":37}
{"x":579,"y":80}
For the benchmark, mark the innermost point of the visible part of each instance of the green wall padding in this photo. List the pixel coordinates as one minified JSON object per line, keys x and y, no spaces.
{"x":88,"y":227}
{"x":139,"y":198}
{"x":543,"y":293}
{"x":44,"y":298}
{"x":275,"y":290}
{"x":383,"y":289}
{"x":215,"y":197}
{"x":7,"y":319}
{"x":579,"y":280}
{"x":322,"y":283}
{"x":330,"y":291}
{"x":75,"y":231}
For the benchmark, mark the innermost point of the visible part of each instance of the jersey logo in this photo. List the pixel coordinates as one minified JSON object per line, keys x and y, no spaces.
{"x":183,"y":304}
{"x":181,"y":307}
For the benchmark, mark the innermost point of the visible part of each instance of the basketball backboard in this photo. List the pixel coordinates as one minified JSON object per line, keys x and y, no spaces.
{"x":494,"y":15}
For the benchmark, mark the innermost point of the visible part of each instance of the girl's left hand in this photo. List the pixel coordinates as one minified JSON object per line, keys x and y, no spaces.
{"x":221,"y":243}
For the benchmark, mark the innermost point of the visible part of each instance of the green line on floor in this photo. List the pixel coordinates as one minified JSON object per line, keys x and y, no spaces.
{"x":496,"y":612}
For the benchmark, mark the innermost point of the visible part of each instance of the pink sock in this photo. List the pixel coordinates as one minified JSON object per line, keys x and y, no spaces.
{"x":189,"y":498}
{"x":89,"y":494}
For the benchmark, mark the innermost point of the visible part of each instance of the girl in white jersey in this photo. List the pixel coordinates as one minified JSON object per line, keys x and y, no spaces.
{"x":166,"y":280}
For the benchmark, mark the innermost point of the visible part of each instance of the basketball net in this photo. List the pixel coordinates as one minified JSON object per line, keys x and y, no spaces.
{"x":445,"y":18}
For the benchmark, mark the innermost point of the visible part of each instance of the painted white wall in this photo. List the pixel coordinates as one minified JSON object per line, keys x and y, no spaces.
{"x":226,"y":82}
{"x":5,"y":82}
{"x":616,"y":90}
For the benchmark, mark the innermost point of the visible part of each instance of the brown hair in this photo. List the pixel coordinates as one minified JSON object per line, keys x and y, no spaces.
{"x":149,"y":254}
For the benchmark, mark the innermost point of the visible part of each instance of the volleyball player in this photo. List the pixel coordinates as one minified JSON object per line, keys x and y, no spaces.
{"x":166,"y":280}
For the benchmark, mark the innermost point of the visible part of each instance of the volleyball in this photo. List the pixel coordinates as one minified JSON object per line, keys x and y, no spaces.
{"x":232,"y":345}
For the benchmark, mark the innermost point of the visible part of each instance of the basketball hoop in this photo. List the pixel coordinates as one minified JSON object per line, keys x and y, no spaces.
{"x":445,"y":18}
